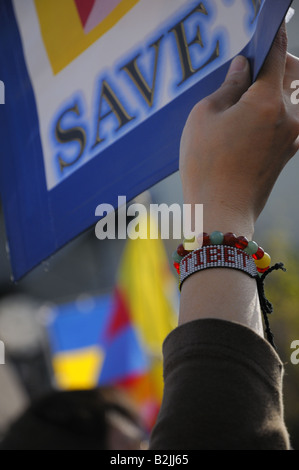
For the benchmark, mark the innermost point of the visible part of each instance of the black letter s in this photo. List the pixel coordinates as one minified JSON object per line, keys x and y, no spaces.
{"x":74,"y":134}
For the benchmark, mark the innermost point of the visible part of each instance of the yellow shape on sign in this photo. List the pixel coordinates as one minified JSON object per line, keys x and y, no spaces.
{"x":63,"y":33}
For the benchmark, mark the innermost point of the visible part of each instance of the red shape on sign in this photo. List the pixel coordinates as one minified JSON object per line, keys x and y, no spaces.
{"x":84,"y":8}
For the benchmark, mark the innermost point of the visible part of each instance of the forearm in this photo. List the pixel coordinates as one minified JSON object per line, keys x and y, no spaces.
{"x":222,"y":293}
{"x":234,"y":145}
{"x":223,"y":381}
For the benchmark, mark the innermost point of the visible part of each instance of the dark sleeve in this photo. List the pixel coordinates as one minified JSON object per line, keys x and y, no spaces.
{"x":222,"y":390}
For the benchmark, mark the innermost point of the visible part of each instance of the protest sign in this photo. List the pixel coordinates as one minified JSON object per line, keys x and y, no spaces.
{"x":96,"y":97}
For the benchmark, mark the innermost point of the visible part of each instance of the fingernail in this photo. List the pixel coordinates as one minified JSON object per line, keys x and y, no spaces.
{"x":239,"y":64}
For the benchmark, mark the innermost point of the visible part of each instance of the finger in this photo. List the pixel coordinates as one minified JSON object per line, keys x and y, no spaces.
{"x":273,"y":70}
{"x":236,"y":83}
{"x":291,"y":72}
{"x":295,"y":146}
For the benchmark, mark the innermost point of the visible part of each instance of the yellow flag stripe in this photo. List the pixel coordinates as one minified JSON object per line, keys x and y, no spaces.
{"x":78,"y":369}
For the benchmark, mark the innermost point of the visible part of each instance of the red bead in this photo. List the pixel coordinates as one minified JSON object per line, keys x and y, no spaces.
{"x":205,"y":239}
{"x":200,"y":238}
{"x":177,"y":267}
{"x":181,"y":250}
{"x":259,"y":254}
{"x":260,"y":270}
{"x":241,"y":242}
{"x":229,"y":239}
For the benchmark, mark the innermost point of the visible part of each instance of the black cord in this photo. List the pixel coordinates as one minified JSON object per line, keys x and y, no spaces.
{"x":266,"y":306}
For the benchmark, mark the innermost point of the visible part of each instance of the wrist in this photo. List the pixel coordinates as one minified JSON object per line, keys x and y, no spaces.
{"x":224,"y":218}
{"x":224,"y":221}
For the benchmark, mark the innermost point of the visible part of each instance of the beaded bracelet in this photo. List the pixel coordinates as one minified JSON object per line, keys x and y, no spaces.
{"x":226,"y":250}
{"x":216,"y":256}
{"x":262,"y":260}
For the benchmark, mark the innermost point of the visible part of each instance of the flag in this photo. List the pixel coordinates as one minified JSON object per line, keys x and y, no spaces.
{"x":117,"y":339}
{"x":92,"y":343}
{"x":150,"y":292}
{"x":94,"y":95}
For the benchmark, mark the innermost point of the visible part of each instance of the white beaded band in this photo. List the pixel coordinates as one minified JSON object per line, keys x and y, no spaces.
{"x":216,"y":256}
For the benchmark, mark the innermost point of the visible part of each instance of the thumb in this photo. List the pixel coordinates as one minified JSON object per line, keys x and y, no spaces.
{"x":236,"y":83}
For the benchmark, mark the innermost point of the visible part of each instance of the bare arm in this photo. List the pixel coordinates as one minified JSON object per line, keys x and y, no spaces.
{"x":233,"y":148}
{"x":222,"y":380}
